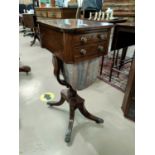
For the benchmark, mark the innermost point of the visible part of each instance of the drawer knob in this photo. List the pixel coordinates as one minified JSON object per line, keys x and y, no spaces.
{"x":83,"y":51}
{"x":83,"y":39}
{"x":101,"y":36}
{"x":100,"y":48}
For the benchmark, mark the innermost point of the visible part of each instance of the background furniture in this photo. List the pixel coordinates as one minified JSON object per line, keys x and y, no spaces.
{"x":76,"y":44}
{"x":52,"y":13}
{"x":22,"y":7}
{"x":128,"y":105}
{"x":25,"y":69}
{"x":30,"y":21}
{"x":124,"y":36}
{"x":122,"y":8}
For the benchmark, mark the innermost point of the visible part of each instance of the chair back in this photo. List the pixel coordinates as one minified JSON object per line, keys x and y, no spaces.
{"x":29,"y":7}
{"x":22,"y":7}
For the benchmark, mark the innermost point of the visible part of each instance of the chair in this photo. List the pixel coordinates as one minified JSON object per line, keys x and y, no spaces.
{"x":29,"y":7}
{"x":28,"y":22}
{"x":25,"y":69}
{"x":124,"y":36}
{"x":22,"y":7}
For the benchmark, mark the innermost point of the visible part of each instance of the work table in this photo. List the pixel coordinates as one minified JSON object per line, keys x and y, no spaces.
{"x":76,"y":46}
{"x":75,"y":40}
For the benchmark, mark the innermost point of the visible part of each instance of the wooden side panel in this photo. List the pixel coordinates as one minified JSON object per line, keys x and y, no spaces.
{"x":52,"y":40}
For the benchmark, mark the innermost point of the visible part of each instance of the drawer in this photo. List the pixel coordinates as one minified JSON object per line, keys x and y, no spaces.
{"x":54,"y":14}
{"x":41,"y":13}
{"x":93,"y":50}
{"x":84,"y":39}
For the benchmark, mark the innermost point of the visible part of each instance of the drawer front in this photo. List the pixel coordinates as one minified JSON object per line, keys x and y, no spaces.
{"x":90,"y":51}
{"x":41,"y":13}
{"x":85,"y":39}
{"x":54,"y":14}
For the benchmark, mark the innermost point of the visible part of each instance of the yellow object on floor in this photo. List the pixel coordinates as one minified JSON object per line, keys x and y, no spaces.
{"x":47,"y":97}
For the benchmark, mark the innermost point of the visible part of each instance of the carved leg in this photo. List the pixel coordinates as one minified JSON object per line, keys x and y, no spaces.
{"x":62,"y":100}
{"x":70,"y":125}
{"x":33,"y":41}
{"x":36,"y":36}
{"x":84,"y":111}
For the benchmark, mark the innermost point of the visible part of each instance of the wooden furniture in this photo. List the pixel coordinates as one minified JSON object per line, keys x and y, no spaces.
{"x":30,"y":21}
{"x":25,"y":69}
{"x":73,"y":42}
{"x":124,"y":36}
{"x":114,"y":21}
{"x":128,"y":105}
{"x":55,"y":13}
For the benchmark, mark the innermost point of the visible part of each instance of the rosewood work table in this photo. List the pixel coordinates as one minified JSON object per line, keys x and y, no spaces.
{"x":77,"y":46}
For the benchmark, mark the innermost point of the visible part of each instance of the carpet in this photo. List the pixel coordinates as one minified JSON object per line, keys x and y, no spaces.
{"x":117,"y":81}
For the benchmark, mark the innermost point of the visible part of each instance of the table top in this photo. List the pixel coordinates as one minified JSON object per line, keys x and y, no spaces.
{"x":126,"y":24}
{"x":74,"y":24}
{"x":124,"y":35}
{"x":114,"y":21}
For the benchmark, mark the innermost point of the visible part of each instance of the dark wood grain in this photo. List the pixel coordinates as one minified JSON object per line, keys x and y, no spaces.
{"x":67,"y":37}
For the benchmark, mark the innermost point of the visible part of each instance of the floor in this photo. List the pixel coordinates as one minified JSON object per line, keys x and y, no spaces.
{"x":42,"y":129}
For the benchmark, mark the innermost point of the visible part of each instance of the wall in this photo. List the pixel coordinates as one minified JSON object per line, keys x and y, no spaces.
{"x":122,"y":8}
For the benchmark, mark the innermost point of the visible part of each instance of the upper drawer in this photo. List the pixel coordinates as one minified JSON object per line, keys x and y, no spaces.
{"x":54,"y":14}
{"x":84,"y":39}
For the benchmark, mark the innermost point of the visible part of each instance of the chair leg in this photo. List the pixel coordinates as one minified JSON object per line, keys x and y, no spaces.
{"x":102,"y":65}
{"x":123,"y":55}
{"x":112,"y":65}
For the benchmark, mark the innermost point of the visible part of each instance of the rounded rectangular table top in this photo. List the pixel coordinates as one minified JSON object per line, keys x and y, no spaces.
{"x":74,"y":24}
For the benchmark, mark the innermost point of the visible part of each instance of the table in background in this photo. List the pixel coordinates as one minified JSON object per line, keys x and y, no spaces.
{"x":55,"y":13}
{"x":30,"y":21}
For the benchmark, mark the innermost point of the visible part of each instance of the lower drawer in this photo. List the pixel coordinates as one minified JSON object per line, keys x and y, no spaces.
{"x":92,"y":50}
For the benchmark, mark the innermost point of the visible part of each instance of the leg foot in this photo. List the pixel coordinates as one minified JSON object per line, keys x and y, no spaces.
{"x":70,"y":125}
{"x":69,"y":131}
{"x":62,"y":100}
{"x":88,"y":115}
{"x":32,"y":42}
{"x":99,"y":120}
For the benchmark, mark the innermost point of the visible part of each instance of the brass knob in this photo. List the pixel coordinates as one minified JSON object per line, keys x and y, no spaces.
{"x":83,"y":51}
{"x":100,"y":48}
{"x":83,"y":39}
{"x":101,"y":36}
